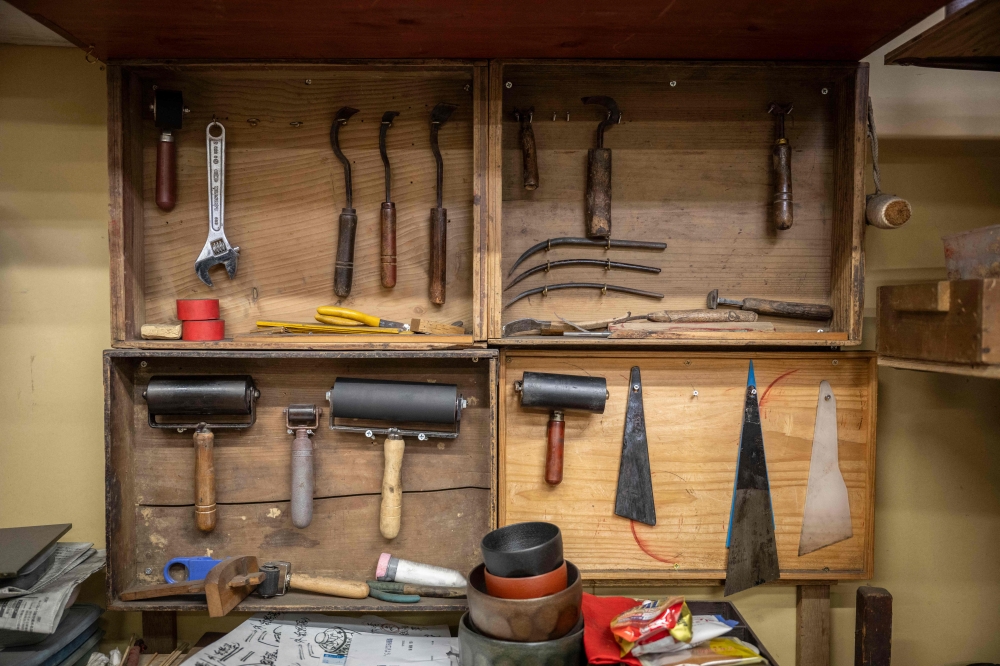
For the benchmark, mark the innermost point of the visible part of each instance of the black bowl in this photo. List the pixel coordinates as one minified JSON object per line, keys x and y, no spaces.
{"x":523,"y":549}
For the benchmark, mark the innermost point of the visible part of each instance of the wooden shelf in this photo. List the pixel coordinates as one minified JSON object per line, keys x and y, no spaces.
{"x":967,"y":39}
{"x":258,"y":29}
{"x":988,"y":371}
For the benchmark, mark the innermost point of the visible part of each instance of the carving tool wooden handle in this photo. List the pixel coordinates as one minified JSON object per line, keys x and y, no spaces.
{"x":554,"y":449}
{"x":204,"y":480}
{"x":388,"y":244}
{"x":787,"y":309}
{"x":530,"y":154}
{"x":781,"y":158}
{"x":166,"y":172}
{"x":598,"y":193}
{"x":343,"y":272}
{"x":302,"y":479}
{"x":439,"y":254}
{"x":392,"y":488}
{"x":702,"y":315}
{"x":333,"y":587}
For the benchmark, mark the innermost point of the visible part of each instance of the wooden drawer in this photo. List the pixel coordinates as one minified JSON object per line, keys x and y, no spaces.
{"x":955,"y":322}
{"x":448,"y":485}
{"x":691,"y":168}
{"x":284,"y":193}
{"x":693,"y":441}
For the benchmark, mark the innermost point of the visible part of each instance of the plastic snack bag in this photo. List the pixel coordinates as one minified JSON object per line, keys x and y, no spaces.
{"x":716,"y":652}
{"x":703,"y":628}
{"x":650,"y":621}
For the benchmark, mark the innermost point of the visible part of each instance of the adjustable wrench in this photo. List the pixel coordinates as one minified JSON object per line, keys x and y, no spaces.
{"x":217,"y":249}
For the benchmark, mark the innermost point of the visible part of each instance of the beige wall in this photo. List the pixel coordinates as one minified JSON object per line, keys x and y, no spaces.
{"x":938,"y":478}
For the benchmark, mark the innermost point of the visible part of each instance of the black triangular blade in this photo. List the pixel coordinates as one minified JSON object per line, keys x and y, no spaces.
{"x":753,"y":552}
{"x":634,"y":498}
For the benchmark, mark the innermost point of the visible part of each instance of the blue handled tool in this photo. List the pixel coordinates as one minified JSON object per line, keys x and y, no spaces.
{"x":197,"y":567}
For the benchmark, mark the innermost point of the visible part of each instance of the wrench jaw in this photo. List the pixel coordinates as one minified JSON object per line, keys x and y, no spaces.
{"x":227,"y":255}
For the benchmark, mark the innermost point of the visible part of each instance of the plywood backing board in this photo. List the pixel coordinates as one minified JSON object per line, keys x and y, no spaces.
{"x":285,"y":190}
{"x":448,"y":484}
{"x":691,"y":168}
{"x":693,"y":442}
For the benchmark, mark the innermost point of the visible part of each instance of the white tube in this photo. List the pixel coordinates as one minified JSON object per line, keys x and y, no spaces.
{"x":403,"y":571}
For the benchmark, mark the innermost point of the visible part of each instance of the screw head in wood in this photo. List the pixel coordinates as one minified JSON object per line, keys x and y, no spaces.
{"x":509,"y":85}
{"x":149,"y":570}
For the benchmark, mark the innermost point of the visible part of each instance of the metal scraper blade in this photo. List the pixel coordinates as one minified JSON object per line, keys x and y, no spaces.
{"x":753,"y":552}
{"x":634,"y":499}
{"x":826,"y":519}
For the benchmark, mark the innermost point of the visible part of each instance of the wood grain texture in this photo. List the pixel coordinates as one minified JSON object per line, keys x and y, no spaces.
{"x":480,"y":200}
{"x":812,"y":625}
{"x":692,"y":448}
{"x":780,"y":30}
{"x":285,"y":190}
{"x":159,"y":631}
{"x":873,"y":627}
{"x":494,"y":175}
{"x":692,"y":169}
{"x":989,"y":371}
{"x":966,"y":39}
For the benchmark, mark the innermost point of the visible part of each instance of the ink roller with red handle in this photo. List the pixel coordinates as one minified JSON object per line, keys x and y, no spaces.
{"x":382,"y":404}
{"x":560,"y":393}
{"x":203,"y":403}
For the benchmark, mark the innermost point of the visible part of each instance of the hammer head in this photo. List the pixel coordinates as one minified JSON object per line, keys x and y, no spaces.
{"x":713,"y":299}
{"x":344,"y":115}
{"x":442,"y":112}
{"x":614,"y":113}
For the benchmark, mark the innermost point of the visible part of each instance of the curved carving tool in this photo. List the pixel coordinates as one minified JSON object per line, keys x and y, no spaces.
{"x":634,"y":498}
{"x":606,"y":264}
{"x":530,"y":155}
{"x":217,"y":249}
{"x":388,"y":209}
{"x":439,"y":215}
{"x":582,"y":285}
{"x":599,"y":172}
{"x":607,"y":244}
{"x":343,"y":272}
{"x":826,"y":519}
{"x":781,"y":159}
{"x":753,"y":552}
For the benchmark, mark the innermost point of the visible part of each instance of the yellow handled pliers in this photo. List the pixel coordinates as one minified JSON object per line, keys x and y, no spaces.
{"x":334,"y":314}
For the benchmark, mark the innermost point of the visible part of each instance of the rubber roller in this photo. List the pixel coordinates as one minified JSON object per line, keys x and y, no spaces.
{"x":559,"y":393}
{"x":302,"y":421}
{"x":375,"y":400}
{"x":172,"y":401}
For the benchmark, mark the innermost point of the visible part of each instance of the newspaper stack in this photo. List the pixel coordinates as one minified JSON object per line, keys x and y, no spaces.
{"x":29,"y":616}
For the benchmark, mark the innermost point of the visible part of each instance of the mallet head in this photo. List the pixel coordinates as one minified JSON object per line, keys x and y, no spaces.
{"x":713,"y":299}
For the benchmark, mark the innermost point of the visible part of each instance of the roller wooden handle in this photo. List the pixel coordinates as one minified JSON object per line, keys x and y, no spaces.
{"x":343,"y":272}
{"x":392,"y":488}
{"x":598,"y":193}
{"x":333,"y":587}
{"x":388,"y":244}
{"x":787,"y":309}
{"x":166,"y":172}
{"x":701,"y":315}
{"x":204,"y":480}
{"x":554,"y":450}
{"x":530,"y":156}
{"x":439,"y":254}
{"x":302,"y":479}
{"x":781,"y":158}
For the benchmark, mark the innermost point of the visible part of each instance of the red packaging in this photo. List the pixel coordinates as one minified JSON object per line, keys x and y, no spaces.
{"x":203,"y":330}
{"x":598,"y":640}
{"x":197,"y":309}
{"x":649,"y":621}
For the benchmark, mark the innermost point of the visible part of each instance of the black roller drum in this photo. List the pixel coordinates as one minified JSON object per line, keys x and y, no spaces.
{"x":401,"y":402}
{"x":552,"y":391}
{"x":202,"y":396}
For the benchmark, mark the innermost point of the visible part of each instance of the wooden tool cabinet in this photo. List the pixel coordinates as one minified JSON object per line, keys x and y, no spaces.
{"x":691,"y":168}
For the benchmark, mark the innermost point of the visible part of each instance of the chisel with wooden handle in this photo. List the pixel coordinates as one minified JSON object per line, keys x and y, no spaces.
{"x":598,"y":199}
{"x":343,"y":272}
{"x":781,"y":158}
{"x":528,"y":151}
{"x":813,"y":311}
{"x":439,"y":215}
{"x":388,"y":273}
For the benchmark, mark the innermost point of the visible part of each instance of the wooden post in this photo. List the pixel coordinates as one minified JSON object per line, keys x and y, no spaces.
{"x":159,"y":631}
{"x":873,"y":627}
{"x":812,"y":625}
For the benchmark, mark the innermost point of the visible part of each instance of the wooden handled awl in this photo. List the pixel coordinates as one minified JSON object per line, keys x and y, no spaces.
{"x":439,"y":215}
{"x":343,"y":272}
{"x":598,"y":199}
{"x":813,"y":311}
{"x":388,"y":272}
{"x":528,"y":151}
{"x":781,"y":158}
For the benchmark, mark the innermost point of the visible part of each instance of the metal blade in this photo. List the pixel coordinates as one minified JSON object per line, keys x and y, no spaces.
{"x":826,"y":519}
{"x":634,"y":499}
{"x":753,"y":552}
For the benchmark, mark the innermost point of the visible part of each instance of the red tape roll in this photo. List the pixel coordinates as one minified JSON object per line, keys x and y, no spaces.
{"x":197,"y":309}
{"x":214,"y":329}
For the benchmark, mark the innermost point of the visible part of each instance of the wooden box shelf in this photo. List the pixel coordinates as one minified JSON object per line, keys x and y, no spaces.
{"x":284,"y":193}
{"x":692,"y":168}
{"x":693,"y":406}
{"x":449,"y":487}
